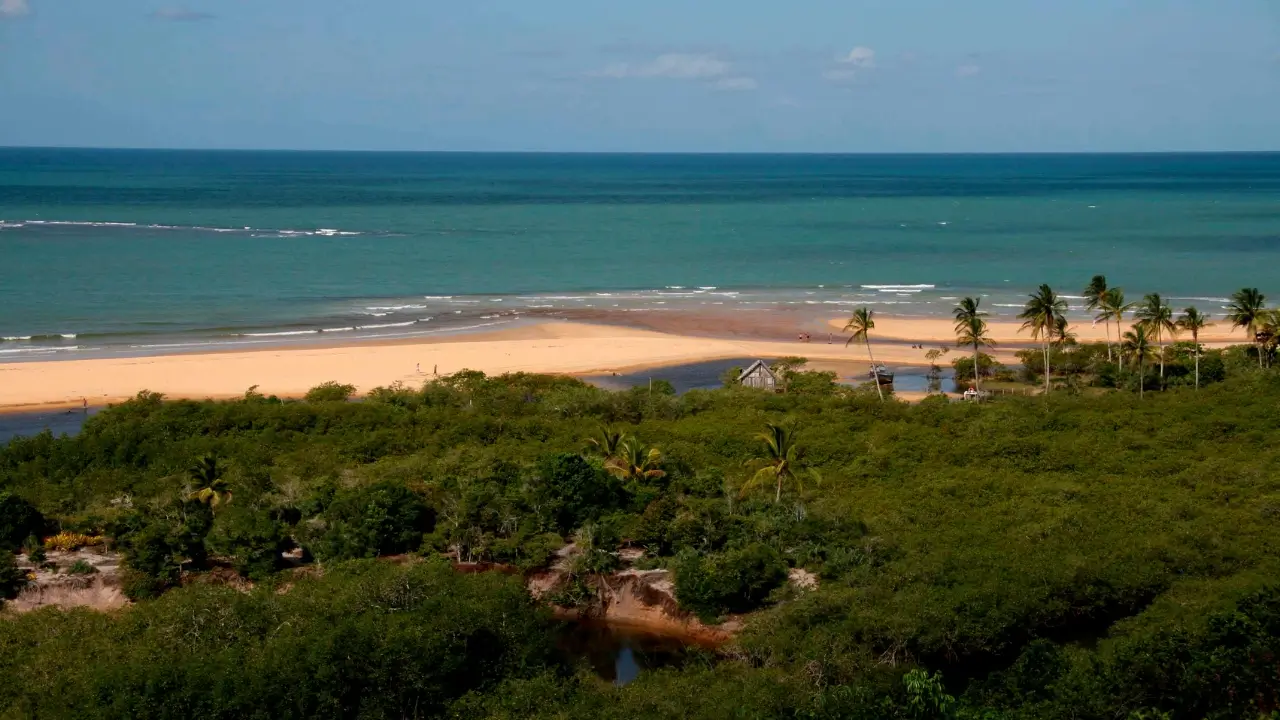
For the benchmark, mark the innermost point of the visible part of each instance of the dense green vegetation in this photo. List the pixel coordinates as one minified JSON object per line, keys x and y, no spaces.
{"x":1064,"y":556}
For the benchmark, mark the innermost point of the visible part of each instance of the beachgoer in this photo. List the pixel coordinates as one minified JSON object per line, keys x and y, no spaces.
{"x":418,"y":368}
{"x":435,"y":369}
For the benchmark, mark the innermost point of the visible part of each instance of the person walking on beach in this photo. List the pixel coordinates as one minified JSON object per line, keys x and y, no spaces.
{"x":418,"y":368}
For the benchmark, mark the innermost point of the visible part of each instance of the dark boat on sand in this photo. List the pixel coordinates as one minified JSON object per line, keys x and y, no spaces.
{"x":881,"y":375}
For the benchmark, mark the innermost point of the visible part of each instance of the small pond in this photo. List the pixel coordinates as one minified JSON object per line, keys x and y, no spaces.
{"x":619,"y":654}
{"x":706,"y":376}
{"x":27,"y":424}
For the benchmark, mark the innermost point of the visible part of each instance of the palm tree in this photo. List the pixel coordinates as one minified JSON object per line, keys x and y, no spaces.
{"x":861,"y":323}
{"x":1040,"y":316}
{"x":1113,"y":308}
{"x":971,"y":331}
{"x":1095,"y":296}
{"x":1157,"y":315}
{"x":1137,"y":345}
{"x":634,"y":462}
{"x":1193,"y":321}
{"x":607,"y":442}
{"x":1247,"y":310}
{"x":779,"y":463}
{"x":207,"y":474}
{"x":1268,"y":335}
{"x":1062,"y":332}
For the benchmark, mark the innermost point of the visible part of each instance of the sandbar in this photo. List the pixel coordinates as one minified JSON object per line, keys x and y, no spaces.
{"x":572,"y":348}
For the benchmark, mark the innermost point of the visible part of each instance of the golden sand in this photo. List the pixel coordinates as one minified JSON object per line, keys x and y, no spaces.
{"x":552,"y":347}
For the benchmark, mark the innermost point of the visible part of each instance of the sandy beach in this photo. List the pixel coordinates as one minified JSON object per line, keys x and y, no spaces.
{"x":549,"y":347}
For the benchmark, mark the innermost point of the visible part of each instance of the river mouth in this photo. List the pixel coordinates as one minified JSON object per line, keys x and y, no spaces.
{"x":618,"y":654}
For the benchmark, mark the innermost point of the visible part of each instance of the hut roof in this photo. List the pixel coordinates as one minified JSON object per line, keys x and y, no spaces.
{"x":752,"y":368}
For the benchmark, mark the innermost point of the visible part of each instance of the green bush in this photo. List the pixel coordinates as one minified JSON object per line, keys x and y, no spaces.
{"x":12,"y":578}
{"x":253,"y":539}
{"x":384,"y":518}
{"x":330,"y":392}
{"x":81,"y":567}
{"x":735,"y":581}
{"x":34,"y":548}
{"x":19,"y":519}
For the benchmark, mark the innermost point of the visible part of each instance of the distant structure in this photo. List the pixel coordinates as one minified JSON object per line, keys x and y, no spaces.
{"x":758,"y":375}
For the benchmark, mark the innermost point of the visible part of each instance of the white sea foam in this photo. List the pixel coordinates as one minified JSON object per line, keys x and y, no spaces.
{"x":1203,"y":299}
{"x":69,"y":336}
{"x":437,"y":297}
{"x":326,"y":232}
{"x":341,"y":329}
{"x":281,"y":333}
{"x":12,"y":338}
{"x":896,"y":288}
{"x":387,"y":325}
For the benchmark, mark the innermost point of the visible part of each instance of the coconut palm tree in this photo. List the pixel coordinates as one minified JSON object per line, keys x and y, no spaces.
{"x":1248,"y":309}
{"x":1040,"y":316}
{"x":861,"y":324}
{"x":607,"y":442}
{"x":779,"y":462}
{"x":635,"y":462}
{"x":1114,"y":307}
{"x":971,"y":331}
{"x":1193,"y":321}
{"x":1063,"y":336}
{"x":1268,"y":334}
{"x":1137,"y":345}
{"x":1095,"y":295}
{"x":1157,"y":315}
{"x":206,"y":474}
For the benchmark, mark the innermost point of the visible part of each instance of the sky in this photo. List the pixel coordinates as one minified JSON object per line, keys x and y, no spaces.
{"x":650,"y":76}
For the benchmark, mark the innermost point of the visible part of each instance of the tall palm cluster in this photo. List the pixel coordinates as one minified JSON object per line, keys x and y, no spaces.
{"x":1044,"y":316}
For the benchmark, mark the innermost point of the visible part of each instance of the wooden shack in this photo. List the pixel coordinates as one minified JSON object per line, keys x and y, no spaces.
{"x":758,"y":375}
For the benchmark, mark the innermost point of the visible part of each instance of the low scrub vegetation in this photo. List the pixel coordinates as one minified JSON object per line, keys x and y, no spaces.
{"x":1064,"y":556}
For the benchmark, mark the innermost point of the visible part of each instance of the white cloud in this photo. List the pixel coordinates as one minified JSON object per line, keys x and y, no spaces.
{"x":14,"y":8}
{"x":737,"y":83}
{"x":180,"y":15}
{"x":861,"y":56}
{"x":671,"y":65}
{"x":968,"y":70}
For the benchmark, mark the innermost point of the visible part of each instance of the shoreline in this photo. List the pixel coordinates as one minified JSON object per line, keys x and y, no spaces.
{"x":553,"y":346}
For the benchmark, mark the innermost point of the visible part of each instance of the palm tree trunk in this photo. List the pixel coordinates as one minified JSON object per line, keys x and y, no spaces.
{"x":1108,"y":321}
{"x":977,"y":374}
{"x":1120,"y":343}
{"x":777,"y":494}
{"x":1160,"y":345}
{"x":1046,"y":367}
{"x":1197,"y":341}
{"x":874,"y":375}
{"x":1142,"y":377}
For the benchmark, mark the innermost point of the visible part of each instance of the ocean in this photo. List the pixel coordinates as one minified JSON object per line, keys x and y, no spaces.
{"x":135,"y":252}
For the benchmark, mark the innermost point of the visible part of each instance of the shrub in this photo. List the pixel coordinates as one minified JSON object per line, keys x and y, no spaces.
{"x":736,"y":581}
{"x":34,"y":550}
{"x":252,"y":539}
{"x":81,"y":567}
{"x":19,"y":520}
{"x":330,"y":392}
{"x":68,"y":541}
{"x":12,"y":578}
{"x":385,"y":518}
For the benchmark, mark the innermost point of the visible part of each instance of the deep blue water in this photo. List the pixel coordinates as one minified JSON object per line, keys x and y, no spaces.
{"x":158,"y":250}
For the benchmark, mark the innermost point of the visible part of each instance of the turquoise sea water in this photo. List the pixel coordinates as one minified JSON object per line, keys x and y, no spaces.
{"x":152,"y":251}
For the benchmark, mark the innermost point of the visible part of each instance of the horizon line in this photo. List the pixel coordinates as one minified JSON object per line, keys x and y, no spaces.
{"x":795,"y":153}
